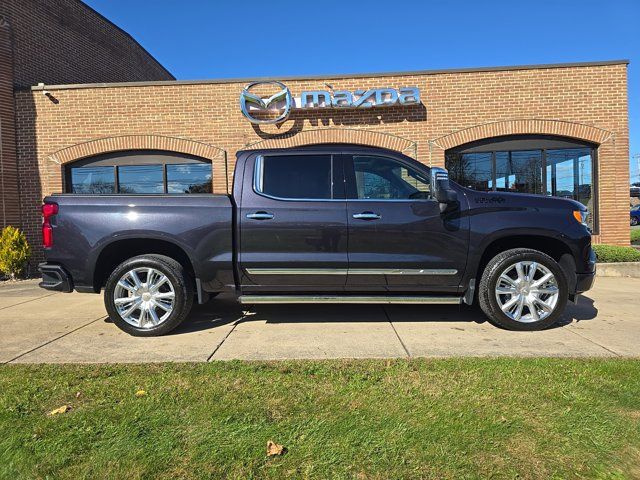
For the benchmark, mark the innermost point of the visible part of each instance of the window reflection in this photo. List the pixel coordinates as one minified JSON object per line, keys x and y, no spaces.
{"x":140,"y":179}
{"x":94,"y":180}
{"x":526,"y":171}
{"x":473,"y":170}
{"x":569,"y":175}
{"x":139,"y":172}
{"x":189,"y":178}
{"x":562,"y":172}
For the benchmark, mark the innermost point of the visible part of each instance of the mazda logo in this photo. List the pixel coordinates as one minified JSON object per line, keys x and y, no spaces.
{"x":251,"y":103}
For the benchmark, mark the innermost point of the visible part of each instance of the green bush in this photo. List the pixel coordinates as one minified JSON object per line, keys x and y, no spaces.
{"x":614,"y":253}
{"x":14,"y":252}
{"x":635,"y":235}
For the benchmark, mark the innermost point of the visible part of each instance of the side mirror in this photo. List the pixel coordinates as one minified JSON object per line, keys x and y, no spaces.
{"x":441,"y":191}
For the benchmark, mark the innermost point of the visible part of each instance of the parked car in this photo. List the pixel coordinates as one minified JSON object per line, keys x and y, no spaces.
{"x":635,"y":215}
{"x":328,"y":223}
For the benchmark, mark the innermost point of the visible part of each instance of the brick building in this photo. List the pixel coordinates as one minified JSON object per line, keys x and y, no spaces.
{"x":65,"y":41}
{"x":546,"y":129}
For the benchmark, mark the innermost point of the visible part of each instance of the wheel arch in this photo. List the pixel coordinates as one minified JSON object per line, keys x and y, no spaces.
{"x":117,"y":251}
{"x":551,"y":245}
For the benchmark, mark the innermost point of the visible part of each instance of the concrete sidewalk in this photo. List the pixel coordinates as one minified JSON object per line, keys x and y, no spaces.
{"x":43,"y":327}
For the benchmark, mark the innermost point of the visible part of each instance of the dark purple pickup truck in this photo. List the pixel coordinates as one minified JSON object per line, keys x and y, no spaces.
{"x":326,"y":223}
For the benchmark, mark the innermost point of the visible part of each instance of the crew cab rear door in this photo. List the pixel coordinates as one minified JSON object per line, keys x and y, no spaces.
{"x":293,"y":223}
{"x":398,"y":239}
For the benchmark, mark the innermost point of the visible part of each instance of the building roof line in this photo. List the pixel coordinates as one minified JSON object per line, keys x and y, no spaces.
{"x":330,"y":76}
{"x":130,"y":36}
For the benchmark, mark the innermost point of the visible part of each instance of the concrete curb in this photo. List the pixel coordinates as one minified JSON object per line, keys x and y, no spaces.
{"x":622,"y":269}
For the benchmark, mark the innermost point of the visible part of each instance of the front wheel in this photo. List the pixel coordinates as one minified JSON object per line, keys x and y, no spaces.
{"x":148,"y":295}
{"x":523,"y":289}
{"x":634,"y":221}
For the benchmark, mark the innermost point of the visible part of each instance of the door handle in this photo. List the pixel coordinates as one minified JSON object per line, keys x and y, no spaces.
{"x":366,"y":216}
{"x":260,"y":216}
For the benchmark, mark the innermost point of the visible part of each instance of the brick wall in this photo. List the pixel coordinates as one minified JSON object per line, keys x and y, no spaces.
{"x":588,"y":102}
{"x":9,"y":204}
{"x":65,"y":41}
{"x":61,"y":41}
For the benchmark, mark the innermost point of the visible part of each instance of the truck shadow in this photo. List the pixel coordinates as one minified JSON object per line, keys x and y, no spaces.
{"x":226,"y":310}
{"x":584,"y":309}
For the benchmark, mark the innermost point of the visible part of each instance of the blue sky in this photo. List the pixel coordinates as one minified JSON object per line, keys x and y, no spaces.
{"x":199,"y":39}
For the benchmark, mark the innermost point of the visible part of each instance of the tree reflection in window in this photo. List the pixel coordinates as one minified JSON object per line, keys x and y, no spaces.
{"x":189,"y":178}
{"x":93,"y":180}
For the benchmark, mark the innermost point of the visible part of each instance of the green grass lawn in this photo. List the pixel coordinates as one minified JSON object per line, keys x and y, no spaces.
{"x":458,"y":418}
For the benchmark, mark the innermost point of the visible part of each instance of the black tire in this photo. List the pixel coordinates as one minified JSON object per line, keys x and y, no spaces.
{"x":493,"y":270}
{"x":180,"y":280}
{"x":634,"y":221}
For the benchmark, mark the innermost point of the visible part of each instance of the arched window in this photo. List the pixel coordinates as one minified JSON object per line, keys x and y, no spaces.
{"x":139,"y":172}
{"x":539,"y":164}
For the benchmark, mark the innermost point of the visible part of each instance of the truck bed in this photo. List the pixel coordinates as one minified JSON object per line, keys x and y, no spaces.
{"x":88,"y":226}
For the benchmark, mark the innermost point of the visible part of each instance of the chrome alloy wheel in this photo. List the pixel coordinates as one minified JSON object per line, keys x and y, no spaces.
{"x":144,"y":297}
{"x":527,"y":292}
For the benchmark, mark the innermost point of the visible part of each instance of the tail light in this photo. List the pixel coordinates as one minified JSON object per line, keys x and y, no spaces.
{"x":48,"y":211}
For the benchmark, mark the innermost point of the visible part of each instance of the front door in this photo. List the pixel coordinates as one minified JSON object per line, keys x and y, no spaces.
{"x":293,"y":223}
{"x":398,"y":238}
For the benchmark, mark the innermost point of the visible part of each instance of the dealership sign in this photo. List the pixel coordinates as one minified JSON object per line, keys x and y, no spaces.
{"x":281,"y":101}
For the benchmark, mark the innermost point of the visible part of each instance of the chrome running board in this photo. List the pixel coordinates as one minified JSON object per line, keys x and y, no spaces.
{"x":387,"y":299}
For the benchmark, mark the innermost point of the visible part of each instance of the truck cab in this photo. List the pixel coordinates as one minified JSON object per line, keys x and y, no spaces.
{"x":345,"y":220}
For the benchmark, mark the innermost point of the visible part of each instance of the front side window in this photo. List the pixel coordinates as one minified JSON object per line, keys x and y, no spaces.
{"x":307,"y":177}
{"x":380,"y":178}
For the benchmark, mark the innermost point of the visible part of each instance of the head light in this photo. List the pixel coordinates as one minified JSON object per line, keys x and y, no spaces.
{"x":581,"y":216}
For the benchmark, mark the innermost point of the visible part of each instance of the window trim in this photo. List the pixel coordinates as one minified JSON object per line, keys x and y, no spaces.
{"x":352,"y":187}
{"x":258,"y":178}
{"x":527,"y":142}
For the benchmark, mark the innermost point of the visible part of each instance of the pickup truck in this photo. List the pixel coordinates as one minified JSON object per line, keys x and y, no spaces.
{"x":321,"y":224}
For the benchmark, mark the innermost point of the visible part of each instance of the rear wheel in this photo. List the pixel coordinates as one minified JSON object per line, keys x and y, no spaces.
{"x":148,"y":295}
{"x":523,"y":289}
{"x":634,"y":221}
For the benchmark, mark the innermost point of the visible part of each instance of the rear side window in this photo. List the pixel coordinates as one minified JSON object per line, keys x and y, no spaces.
{"x":307,"y":177}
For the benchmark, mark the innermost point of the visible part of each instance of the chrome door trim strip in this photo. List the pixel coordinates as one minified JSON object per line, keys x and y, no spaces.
{"x":351,"y":271}
{"x":296,"y":271}
{"x":402,"y":271}
{"x":359,"y":299}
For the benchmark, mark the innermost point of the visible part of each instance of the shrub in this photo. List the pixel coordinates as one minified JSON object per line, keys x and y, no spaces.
{"x":14,"y":252}
{"x":614,"y":253}
{"x":635,"y":235}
